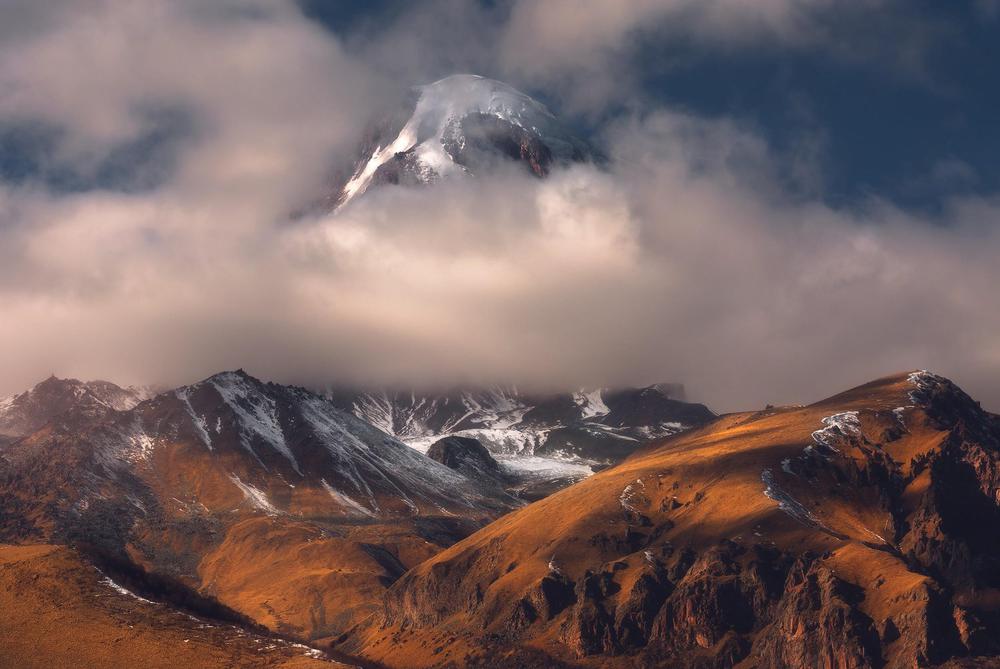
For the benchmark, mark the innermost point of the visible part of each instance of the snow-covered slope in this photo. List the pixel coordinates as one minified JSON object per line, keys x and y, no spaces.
{"x":587,"y":426}
{"x":459,"y":125}
{"x":267,"y":496}
{"x":265,"y":432}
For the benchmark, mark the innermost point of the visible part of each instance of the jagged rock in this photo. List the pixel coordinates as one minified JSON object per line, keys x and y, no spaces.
{"x":818,"y":624}
{"x":707,"y":603}
{"x":555,"y":592}
{"x":635,"y":614}
{"x":589,"y":630}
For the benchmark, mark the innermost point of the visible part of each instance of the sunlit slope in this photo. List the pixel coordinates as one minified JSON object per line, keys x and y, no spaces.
{"x":860,"y":531}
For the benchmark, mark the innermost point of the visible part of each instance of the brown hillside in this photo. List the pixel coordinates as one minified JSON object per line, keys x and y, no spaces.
{"x":60,"y":613}
{"x":800,"y":536}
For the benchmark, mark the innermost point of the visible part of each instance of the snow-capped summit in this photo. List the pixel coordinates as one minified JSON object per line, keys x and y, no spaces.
{"x":459,"y":125}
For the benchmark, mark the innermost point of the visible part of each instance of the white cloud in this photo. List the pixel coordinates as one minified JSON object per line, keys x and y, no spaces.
{"x":685,"y":261}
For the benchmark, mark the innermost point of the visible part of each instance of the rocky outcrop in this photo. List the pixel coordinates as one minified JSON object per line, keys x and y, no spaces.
{"x":467,"y":456}
{"x":818,"y":623}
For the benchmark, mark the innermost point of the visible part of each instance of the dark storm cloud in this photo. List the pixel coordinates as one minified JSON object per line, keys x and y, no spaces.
{"x":690,"y":258}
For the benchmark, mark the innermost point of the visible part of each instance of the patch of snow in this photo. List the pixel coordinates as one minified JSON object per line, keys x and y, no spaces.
{"x":900,"y":413}
{"x":255,"y":496}
{"x":629,"y":494}
{"x":665,"y":429}
{"x":545,"y":467}
{"x":835,"y":428}
{"x":118,"y":446}
{"x":785,"y":501}
{"x":599,"y":430}
{"x":377,"y":409}
{"x":591,"y":403}
{"x":925,"y":382}
{"x":344,"y":500}
{"x":256,"y":412}
{"x":553,"y":567}
{"x":314,"y":653}
{"x":198,"y":421}
{"x":124,"y":591}
{"x":876,"y":535}
{"x":141,"y":444}
{"x":497,"y":440}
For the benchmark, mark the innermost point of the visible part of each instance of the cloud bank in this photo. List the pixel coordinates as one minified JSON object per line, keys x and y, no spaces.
{"x":686,"y":259}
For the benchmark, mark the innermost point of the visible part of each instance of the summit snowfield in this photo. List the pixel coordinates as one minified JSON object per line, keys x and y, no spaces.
{"x":459,"y":125}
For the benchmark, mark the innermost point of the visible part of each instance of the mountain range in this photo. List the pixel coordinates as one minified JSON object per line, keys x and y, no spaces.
{"x":547,"y":440}
{"x":859,"y":531}
{"x":270,"y":499}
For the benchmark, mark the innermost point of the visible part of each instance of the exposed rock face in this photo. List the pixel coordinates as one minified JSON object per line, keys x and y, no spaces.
{"x":859,"y":532}
{"x":818,"y":622}
{"x":482,"y":141}
{"x":466,"y":455}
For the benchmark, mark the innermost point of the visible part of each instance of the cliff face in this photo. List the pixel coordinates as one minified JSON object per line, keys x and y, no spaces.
{"x":860,"y":531}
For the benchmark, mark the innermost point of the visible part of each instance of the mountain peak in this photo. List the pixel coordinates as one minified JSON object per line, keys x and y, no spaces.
{"x":28,"y":411}
{"x":458,"y":125}
{"x":230,"y":375}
